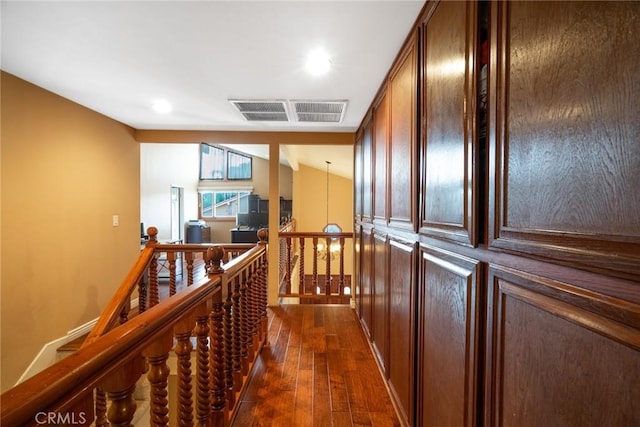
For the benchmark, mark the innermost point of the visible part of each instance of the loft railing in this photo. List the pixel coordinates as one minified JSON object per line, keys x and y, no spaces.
{"x":314,"y":266}
{"x":224,"y":308}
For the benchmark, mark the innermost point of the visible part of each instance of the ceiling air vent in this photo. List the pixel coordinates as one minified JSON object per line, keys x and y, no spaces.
{"x":319,"y":111}
{"x":262,"y":111}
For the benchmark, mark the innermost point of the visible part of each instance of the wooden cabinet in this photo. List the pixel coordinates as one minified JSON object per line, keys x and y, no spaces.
{"x":499,"y":255}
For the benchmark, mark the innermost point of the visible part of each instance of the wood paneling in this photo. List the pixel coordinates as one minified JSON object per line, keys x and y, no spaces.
{"x":403,"y":152}
{"x":402,"y":298}
{"x":450,"y":312}
{"x":525,"y":282}
{"x":366,"y":280}
{"x":448,"y":88}
{"x":358,"y":176}
{"x":380,"y":144}
{"x":564,"y":156}
{"x":559,"y":355}
{"x":367,"y":165}
{"x":380,"y":330}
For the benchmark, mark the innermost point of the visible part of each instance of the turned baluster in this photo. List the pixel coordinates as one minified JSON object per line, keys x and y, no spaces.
{"x":188,"y":259}
{"x":183,"y":351}
{"x":216,"y":349}
{"x":171,"y":258}
{"x":119,"y":387}
{"x":101,"y":408}
{"x":244,"y":323}
{"x":153,"y":281}
{"x":289,"y":268}
{"x":301,"y":285}
{"x":153,"y":267}
{"x":314,"y":277}
{"x":341,"y":279}
{"x":327,"y":279}
{"x":264,"y":296}
{"x":254,"y":293}
{"x":249,"y":314}
{"x":228,"y":348}
{"x":202,"y":364}
{"x":157,"y":354}
{"x":142,"y":295}
{"x":237,"y":340}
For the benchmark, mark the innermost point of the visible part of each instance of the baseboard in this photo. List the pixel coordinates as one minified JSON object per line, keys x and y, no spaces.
{"x":48,"y":355}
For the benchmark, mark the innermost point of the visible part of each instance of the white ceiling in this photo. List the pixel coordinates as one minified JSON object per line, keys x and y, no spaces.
{"x":119,"y":57}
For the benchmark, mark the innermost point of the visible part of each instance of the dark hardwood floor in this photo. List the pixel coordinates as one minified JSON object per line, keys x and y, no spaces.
{"x":317,"y":370}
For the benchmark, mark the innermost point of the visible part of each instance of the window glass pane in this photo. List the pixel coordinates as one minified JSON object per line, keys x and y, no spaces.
{"x":211,"y":162}
{"x":207,"y":205}
{"x":238,"y":166}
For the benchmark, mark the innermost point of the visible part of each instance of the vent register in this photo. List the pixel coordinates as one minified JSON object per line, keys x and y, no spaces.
{"x":291,"y":110}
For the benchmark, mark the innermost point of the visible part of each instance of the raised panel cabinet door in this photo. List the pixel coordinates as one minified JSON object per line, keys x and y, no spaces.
{"x":559,"y":355}
{"x":380,"y":332}
{"x":564,"y":143}
{"x":366,"y":283}
{"x":367,"y":169}
{"x":402,"y":309}
{"x":448,"y":357}
{"x":380,"y":157}
{"x":448,"y":143}
{"x":403,"y":162}
{"x":358,"y":175}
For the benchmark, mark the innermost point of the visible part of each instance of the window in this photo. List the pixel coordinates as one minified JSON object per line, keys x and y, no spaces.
{"x":238,"y":166}
{"x":220,"y":164}
{"x":223,"y":203}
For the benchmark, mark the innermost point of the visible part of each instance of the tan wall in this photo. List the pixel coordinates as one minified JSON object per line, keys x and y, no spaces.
{"x":66,"y":171}
{"x":310,"y":207}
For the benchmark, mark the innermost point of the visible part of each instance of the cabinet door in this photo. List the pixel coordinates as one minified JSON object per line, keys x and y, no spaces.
{"x":448,"y":357}
{"x":559,"y":355}
{"x":565,"y":157}
{"x":402,"y":303}
{"x":366,"y":281}
{"x":403,"y":150}
{"x":381,"y":147}
{"x":448,"y":145}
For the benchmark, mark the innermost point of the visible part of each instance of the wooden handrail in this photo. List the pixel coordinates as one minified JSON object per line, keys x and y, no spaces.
{"x":110,"y":361}
{"x":55,"y":388}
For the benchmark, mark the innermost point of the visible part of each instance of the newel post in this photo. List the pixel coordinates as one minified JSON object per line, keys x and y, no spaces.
{"x":213,"y":259}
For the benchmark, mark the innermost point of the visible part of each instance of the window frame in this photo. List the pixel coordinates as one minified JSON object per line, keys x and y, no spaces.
{"x":227,"y":156}
{"x":240,"y":193}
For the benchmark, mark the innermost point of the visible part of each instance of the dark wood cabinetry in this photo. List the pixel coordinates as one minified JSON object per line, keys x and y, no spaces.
{"x":498,"y":260}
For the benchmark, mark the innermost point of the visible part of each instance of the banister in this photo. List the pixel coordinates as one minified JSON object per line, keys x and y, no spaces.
{"x":109,"y":316}
{"x":77,"y":374}
{"x":112,"y":357}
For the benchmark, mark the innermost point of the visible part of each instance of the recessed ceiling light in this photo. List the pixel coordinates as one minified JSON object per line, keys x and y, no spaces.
{"x":318,"y":62}
{"x":162,"y":106}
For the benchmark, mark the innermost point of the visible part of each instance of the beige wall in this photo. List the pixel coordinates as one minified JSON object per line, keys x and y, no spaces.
{"x":310,"y":207}
{"x":66,"y":171}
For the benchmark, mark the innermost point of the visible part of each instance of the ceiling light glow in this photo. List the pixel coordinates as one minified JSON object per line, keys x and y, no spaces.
{"x":318,"y":62}
{"x":162,"y":106}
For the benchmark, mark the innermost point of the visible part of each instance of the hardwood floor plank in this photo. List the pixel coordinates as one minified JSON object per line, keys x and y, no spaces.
{"x":321,"y":395}
{"x":303,"y":407}
{"x":318,"y":371}
{"x":341,"y":419}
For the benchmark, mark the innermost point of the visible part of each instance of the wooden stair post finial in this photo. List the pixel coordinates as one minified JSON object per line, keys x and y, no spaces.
{"x":263,"y":236}
{"x":213,"y":257}
{"x":152,"y":232}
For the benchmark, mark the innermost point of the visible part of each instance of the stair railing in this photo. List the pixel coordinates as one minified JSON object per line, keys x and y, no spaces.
{"x":224,"y":309}
{"x":327,"y":280}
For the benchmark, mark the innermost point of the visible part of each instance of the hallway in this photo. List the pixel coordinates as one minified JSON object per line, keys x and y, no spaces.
{"x":317,"y":370}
